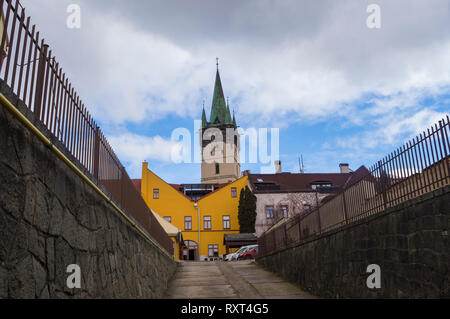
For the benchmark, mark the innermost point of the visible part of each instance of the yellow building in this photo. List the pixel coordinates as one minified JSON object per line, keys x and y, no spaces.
{"x":203,"y":221}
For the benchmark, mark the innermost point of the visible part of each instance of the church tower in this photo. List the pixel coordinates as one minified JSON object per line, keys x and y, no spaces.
{"x":220,"y":141}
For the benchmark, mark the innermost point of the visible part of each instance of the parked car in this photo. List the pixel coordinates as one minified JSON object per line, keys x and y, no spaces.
{"x":250,"y":253}
{"x":229,"y":257}
{"x":246,"y":249}
{"x":236,"y":254}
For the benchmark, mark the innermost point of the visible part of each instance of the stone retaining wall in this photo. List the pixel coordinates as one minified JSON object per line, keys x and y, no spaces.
{"x":50,"y":218}
{"x":410,"y":243}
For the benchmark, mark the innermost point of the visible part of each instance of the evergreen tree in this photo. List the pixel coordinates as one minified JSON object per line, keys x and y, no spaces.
{"x":247,"y":211}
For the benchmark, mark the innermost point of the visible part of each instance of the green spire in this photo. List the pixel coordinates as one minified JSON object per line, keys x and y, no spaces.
{"x":219,"y":108}
{"x":228,"y":119}
{"x":204,"y":122}
{"x":234,"y":120}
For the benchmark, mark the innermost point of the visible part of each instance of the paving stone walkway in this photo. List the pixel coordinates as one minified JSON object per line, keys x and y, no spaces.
{"x":236,"y":280}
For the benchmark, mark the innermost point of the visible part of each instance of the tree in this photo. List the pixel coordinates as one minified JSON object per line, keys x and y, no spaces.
{"x":247,"y":211}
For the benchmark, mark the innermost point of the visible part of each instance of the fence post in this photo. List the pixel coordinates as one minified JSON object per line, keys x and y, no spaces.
{"x":318,"y":220}
{"x":121,"y":200}
{"x":275,"y":246}
{"x":299,"y":228}
{"x":446,"y":153}
{"x":96,"y":152}
{"x":40,"y":81}
{"x":345,"y":208}
{"x":264,"y":240}
{"x":382,"y":184}
{"x":318,"y":213}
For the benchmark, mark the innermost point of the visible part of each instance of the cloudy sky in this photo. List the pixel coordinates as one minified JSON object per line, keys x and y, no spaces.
{"x":338,"y":91}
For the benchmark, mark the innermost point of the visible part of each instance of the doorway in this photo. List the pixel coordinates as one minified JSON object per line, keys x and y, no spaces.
{"x":190,"y":251}
{"x":192,"y":254}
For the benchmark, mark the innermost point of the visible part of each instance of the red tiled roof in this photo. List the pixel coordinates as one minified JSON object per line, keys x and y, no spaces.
{"x":358,"y":175}
{"x":178,"y":187}
{"x":137,"y":184}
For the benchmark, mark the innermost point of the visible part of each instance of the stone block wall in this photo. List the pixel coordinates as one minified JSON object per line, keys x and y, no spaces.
{"x":410,"y":243}
{"x":50,"y":218}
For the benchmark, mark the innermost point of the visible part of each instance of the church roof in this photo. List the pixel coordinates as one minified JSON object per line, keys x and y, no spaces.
{"x":220,"y":111}
{"x":219,"y":108}
{"x":204,"y":122}
{"x":228,"y":119}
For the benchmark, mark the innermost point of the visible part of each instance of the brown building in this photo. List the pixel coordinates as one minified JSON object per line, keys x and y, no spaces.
{"x":284,"y":195}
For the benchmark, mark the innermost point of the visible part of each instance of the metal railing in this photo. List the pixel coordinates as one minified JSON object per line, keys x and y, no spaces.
{"x":418,"y":167}
{"x":30,"y":69}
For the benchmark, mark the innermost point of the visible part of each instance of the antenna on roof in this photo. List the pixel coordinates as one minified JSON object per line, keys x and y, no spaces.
{"x":301,"y":165}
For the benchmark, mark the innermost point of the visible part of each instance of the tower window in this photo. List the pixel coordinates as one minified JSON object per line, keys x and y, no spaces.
{"x":217,"y":169}
{"x":235,"y":140}
{"x":233,"y":192}
{"x":156,"y":193}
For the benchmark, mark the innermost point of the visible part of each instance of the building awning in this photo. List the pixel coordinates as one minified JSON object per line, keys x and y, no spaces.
{"x":239,"y":240}
{"x":169,"y":228}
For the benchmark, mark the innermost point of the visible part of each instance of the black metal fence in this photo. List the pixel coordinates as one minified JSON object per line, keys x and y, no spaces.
{"x":29,"y":67}
{"x":418,"y":167}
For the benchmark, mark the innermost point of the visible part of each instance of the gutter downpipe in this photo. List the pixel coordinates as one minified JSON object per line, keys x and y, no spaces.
{"x":198,"y":218}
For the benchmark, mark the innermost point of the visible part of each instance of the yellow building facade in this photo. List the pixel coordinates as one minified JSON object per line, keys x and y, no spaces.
{"x":203,"y":222}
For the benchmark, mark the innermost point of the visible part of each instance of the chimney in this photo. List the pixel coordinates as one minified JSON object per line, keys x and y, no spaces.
{"x":344,"y":168}
{"x":278,"y":169}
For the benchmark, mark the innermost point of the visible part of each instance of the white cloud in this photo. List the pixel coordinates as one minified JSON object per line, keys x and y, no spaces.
{"x":134,"y":149}
{"x":281,"y":62}
{"x":144,"y":60}
{"x":394,"y":129}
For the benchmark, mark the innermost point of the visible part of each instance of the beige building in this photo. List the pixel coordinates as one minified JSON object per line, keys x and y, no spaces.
{"x":220,"y":141}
